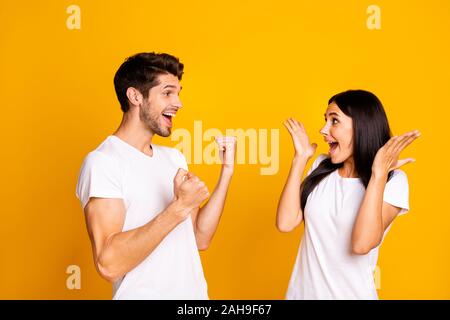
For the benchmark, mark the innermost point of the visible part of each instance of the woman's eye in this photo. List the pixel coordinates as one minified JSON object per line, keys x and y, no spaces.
{"x":334,"y":121}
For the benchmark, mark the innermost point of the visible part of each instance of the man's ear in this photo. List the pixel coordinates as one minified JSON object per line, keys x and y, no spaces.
{"x":134,"y":96}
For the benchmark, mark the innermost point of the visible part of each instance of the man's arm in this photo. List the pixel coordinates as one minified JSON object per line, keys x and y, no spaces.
{"x":116,"y":252}
{"x":206,"y":219}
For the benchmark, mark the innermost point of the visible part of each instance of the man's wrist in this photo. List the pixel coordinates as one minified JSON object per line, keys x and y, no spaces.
{"x":179,"y":209}
{"x":227,"y":170}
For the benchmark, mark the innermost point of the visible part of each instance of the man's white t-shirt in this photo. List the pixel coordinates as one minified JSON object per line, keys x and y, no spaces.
{"x":118,"y":170}
{"x":325,"y":267}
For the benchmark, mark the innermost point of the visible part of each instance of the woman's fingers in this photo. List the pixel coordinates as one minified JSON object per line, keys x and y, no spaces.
{"x":298,"y":124}
{"x":407,"y":139}
{"x":288,"y":126}
{"x":294,"y":126}
{"x":391,"y":142}
{"x":402,"y":162}
{"x":403,"y":141}
{"x":395,"y":142}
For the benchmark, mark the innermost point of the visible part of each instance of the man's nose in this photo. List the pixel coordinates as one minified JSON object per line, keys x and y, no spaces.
{"x":177,"y":103}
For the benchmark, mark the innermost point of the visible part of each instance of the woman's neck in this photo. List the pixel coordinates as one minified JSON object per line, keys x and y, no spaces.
{"x":348,"y":169}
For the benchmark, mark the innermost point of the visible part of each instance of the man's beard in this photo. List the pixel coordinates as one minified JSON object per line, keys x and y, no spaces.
{"x":151,"y":121}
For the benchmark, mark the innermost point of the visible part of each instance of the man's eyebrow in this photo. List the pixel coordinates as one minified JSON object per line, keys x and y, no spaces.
{"x":171,"y":86}
{"x":331,"y":114}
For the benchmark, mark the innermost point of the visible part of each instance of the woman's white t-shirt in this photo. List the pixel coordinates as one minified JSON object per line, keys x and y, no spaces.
{"x":118,"y":170}
{"x":325,"y":267}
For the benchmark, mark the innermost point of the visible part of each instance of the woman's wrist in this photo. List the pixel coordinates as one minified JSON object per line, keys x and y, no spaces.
{"x":379,"y":174}
{"x":300,"y":156}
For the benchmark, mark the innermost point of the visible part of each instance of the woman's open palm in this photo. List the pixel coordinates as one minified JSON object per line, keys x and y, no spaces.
{"x":300,"y":138}
{"x":386,"y":158}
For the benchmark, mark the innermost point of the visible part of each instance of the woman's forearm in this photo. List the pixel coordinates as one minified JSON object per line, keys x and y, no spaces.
{"x":368,"y":229}
{"x":289,"y":213}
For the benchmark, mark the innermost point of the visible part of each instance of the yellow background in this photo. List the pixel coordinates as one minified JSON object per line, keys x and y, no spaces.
{"x":248,"y":64}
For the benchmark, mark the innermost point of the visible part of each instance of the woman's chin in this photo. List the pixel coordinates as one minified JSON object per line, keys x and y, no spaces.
{"x":335,"y":159}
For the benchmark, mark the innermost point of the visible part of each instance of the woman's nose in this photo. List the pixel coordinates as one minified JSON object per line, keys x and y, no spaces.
{"x":324,"y":130}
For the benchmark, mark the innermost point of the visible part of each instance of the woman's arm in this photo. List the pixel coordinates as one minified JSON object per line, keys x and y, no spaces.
{"x":289,"y":213}
{"x":373,"y":218}
{"x":375,"y":215}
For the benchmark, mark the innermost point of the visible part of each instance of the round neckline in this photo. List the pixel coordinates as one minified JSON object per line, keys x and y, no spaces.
{"x":134,"y":149}
{"x":346,"y":179}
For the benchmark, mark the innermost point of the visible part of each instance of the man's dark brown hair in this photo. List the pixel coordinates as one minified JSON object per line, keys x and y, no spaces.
{"x":141,"y":71}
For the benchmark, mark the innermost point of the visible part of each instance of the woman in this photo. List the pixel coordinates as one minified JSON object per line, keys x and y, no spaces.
{"x":348,"y":199}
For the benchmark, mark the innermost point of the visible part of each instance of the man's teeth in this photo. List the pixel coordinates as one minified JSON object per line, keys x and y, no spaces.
{"x":169,"y":114}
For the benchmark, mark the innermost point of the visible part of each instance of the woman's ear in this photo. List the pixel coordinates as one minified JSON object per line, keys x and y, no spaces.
{"x":134,"y":96}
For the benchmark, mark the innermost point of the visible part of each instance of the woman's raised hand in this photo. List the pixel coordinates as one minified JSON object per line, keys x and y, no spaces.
{"x":386,"y":158}
{"x":302,"y":146}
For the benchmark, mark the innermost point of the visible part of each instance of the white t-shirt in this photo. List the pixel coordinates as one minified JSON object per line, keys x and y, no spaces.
{"x":325,"y":267}
{"x":118,"y":170}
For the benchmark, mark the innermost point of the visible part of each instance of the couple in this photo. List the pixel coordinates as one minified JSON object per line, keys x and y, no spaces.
{"x":144,"y":212}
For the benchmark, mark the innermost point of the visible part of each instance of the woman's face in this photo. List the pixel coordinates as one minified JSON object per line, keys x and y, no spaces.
{"x":338,"y":133}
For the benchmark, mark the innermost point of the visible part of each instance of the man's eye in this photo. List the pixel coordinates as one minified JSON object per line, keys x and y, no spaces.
{"x":167,"y":93}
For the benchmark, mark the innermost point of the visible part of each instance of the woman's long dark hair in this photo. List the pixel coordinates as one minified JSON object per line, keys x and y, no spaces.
{"x":370,"y":132}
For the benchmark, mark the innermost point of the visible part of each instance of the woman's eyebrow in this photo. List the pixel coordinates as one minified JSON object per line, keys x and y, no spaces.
{"x":331,"y":114}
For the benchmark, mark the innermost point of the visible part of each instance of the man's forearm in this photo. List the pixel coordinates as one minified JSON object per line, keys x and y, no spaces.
{"x":209,"y":215}
{"x":125,"y":250}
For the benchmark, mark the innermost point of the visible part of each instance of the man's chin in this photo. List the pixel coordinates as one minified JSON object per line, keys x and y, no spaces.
{"x":164,"y":133}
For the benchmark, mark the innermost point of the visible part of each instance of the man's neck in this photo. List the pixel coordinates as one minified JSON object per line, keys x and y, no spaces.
{"x":135,"y":134}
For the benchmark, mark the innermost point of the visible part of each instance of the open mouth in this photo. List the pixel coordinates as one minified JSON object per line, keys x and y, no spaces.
{"x":168,"y":117}
{"x":333,"y":147}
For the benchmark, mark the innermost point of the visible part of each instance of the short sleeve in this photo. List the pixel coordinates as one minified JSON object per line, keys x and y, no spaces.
{"x":396,"y":191}
{"x":316,"y":163}
{"x":99,"y":177}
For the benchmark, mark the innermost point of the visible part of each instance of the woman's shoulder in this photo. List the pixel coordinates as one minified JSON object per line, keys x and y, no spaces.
{"x":317,"y":161}
{"x":320,"y":158}
{"x":398,"y":176}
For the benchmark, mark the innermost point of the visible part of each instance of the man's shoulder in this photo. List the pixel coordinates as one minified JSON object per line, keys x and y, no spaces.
{"x":106,"y":154}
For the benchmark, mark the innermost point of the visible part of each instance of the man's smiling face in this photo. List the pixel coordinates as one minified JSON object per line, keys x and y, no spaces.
{"x":163,"y":102}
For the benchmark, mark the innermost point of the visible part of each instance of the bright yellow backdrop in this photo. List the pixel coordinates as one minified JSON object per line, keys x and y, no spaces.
{"x":249,"y":64}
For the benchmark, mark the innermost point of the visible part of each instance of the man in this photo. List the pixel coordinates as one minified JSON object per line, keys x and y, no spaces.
{"x":142,"y":206}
